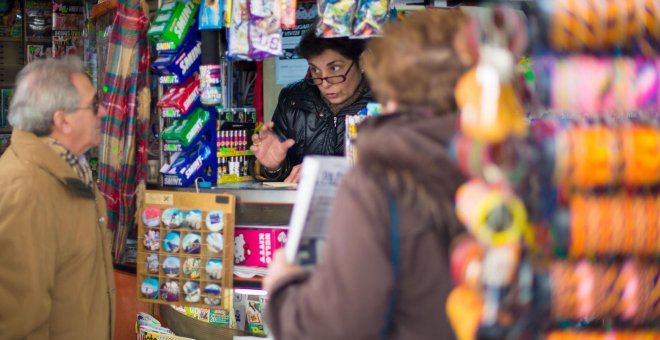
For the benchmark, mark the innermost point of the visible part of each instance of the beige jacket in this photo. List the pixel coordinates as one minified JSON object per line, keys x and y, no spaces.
{"x":56,"y":279}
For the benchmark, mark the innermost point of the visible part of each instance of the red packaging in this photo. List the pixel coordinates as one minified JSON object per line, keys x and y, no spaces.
{"x":177,"y":101}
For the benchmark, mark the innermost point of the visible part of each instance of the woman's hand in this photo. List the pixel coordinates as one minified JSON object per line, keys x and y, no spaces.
{"x":294,"y":175}
{"x":268,"y":149}
{"x":278,"y":269}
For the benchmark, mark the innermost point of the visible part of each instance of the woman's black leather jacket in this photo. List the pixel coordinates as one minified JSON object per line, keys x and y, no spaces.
{"x":302,"y":115}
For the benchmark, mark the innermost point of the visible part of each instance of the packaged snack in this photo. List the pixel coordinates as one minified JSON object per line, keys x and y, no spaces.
{"x":337,"y":18}
{"x":177,"y":68}
{"x":184,"y":15}
{"x":171,"y":47}
{"x":264,"y":32}
{"x":288,"y":14}
{"x":237,"y":34}
{"x":211,"y":85}
{"x":370,"y":15}
{"x":178,"y":101}
{"x":211,"y":14}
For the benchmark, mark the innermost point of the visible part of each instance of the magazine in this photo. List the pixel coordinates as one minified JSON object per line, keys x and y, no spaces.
{"x":319,"y":180}
{"x":67,"y":16}
{"x":5,"y":100}
{"x":67,"y":43}
{"x":38,"y":51}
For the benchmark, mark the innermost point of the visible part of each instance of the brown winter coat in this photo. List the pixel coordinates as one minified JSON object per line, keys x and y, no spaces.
{"x":56,"y":279}
{"x":346,"y":296}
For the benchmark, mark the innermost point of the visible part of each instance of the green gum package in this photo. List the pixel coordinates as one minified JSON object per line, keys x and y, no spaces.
{"x":184,"y":14}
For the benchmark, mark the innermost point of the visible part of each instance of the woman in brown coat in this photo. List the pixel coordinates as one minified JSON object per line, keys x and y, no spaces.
{"x":413,"y":69}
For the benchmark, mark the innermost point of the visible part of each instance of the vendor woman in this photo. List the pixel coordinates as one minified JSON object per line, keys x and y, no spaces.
{"x":309,"y":117}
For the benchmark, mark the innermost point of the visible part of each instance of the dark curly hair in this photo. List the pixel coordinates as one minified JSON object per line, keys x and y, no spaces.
{"x":311,"y":46}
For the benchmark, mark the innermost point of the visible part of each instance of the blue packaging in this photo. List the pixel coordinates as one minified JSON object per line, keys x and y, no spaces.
{"x":211,"y":14}
{"x":177,"y":68}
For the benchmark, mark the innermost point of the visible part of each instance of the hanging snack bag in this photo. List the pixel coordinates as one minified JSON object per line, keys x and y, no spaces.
{"x":370,"y":15}
{"x":238,"y":31}
{"x":265,"y":34}
{"x":337,"y":18}
{"x":210,"y":14}
{"x":288,"y":10}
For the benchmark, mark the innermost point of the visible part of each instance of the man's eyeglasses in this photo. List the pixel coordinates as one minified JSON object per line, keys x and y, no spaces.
{"x":332,"y":79}
{"x":94,"y":107}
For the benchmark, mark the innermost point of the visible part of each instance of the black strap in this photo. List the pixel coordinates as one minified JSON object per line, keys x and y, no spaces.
{"x":395,"y":258}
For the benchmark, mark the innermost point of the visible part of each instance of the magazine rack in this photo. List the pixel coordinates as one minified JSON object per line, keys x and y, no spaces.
{"x":179,"y":260}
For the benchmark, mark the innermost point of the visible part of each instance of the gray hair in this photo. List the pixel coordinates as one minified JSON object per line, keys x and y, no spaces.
{"x":43,"y":87}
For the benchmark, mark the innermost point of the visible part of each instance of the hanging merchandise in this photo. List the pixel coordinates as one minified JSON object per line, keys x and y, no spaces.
{"x":211,"y":14}
{"x":493,"y":214}
{"x":125,"y":133}
{"x":288,"y":14}
{"x":264,"y":31}
{"x":608,"y":85}
{"x":237,"y":32}
{"x":604,"y":25}
{"x":596,"y":155}
{"x":490,"y":107}
{"x":606,"y":225}
{"x":625,"y":292}
{"x":178,"y":101}
{"x":336,"y":17}
{"x":369,"y":18}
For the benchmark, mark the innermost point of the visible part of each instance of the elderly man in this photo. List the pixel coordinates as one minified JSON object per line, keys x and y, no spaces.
{"x":56,"y":279}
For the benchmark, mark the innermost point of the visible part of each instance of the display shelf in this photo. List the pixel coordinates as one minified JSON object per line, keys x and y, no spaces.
{"x":230,"y":152}
{"x":38,"y":40}
{"x":229,"y":178}
{"x":11,"y":39}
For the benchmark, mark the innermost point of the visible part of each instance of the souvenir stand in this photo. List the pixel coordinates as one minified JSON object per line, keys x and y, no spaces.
{"x":562,"y":205}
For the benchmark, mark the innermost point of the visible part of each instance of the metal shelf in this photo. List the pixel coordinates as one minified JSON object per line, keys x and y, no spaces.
{"x":38,"y":40}
{"x":11,"y":39}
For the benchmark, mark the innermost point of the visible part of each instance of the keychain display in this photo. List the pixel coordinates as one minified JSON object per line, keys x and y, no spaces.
{"x":494,"y":215}
{"x":584,"y":264}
